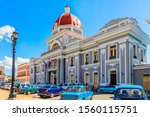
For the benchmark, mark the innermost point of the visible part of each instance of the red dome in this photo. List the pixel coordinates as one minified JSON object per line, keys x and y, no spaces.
{"x":67,"y":19}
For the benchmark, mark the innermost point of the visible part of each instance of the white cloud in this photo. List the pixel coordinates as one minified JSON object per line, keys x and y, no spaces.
{"x":5,"y":33}
{"x":7,"y":62}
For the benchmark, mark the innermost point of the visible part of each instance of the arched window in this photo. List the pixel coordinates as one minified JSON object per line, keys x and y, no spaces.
{"x":55,"y":46}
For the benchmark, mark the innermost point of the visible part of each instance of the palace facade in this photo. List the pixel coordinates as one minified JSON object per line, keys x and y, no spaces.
{"x":108,"y":57}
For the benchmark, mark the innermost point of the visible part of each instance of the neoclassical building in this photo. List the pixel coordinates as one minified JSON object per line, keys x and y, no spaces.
{"x":108,"y":57}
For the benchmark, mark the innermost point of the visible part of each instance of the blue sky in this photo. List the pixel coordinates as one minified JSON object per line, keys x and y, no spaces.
{"x":33,"y":19}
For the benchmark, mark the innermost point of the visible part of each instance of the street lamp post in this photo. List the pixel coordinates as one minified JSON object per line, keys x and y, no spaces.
{"x":12,"y":94}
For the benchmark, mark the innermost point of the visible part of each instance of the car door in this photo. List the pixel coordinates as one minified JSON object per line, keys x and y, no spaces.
{"x":53,"y":90}
{"x":109,"y":89}
{"x":33,"y":89}
{"x":106,"y":89}
{"x":112,"y":89}
{"x":58,"y":89}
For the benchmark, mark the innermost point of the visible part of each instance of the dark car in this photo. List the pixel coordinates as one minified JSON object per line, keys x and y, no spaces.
{"x":130,"y":92}
{"x":50,"y":91}
{"x":43,"y":88}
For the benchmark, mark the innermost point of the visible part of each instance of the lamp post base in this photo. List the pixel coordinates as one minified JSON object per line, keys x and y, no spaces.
{"x":12,"y":97}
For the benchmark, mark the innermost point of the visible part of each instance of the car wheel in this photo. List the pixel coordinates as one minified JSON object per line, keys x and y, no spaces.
{"x":91,"y":97}
{"x":52,"y":95}
{"x":28,"y":93}
{"x":102,"y":91}
{"x":42,"y":96}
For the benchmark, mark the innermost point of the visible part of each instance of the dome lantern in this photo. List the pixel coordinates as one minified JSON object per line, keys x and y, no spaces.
{"x":67,"y":9}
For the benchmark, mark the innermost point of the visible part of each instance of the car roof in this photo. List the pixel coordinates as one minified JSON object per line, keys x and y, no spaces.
{"x":130,"y":87}
{"x":77,"y":86}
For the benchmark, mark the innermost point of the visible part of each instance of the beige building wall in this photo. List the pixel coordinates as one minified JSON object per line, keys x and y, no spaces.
{"x":2,"y":74}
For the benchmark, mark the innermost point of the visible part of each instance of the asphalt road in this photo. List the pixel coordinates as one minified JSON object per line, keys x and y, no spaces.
{"x":5,"y":93}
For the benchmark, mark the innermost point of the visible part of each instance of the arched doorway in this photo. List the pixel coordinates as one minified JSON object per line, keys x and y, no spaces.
{"x":95,"y":80}
{"x":87,"y":78}
{"x":55,"y":46}
{"x":72,"y":79}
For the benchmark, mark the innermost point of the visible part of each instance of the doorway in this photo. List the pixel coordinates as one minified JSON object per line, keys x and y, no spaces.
{"x":87,"y":78}
{"x":95,"y":80}
{"x":146,"y":81}
{"x":52,"y":77}
{"x":55,"y":79}
{"x":72,"y":79}
{"x":113,"y":77}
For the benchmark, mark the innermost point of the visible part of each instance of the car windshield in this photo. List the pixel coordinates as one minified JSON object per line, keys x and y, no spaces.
{"x":75,"y":89}
{"x":25,"y":85}
{"x":130,"y":93}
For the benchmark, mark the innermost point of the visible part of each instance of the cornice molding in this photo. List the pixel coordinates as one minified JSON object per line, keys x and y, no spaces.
{"x":64,"y":31}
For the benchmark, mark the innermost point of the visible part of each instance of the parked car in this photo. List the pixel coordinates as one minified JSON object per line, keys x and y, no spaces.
{"x":25,"y":84}
{"x":2,"y":84}
{"x":65,"y":86}
{"x":43,"y":88}
{"x":77,"y":93}
{"x":30,"y":88}
{"x":7,"y":86}
{"x":50,"y":92}
{"x":107,"y":89}
{"x":130,"y":92}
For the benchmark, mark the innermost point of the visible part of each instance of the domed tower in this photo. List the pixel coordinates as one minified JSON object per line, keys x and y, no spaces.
{"x":67,"y":21}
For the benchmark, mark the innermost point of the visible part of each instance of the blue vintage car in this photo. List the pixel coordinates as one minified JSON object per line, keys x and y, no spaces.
{"x":50,"y":91}
{"x":130,"y":92}
{"x":43,"y":88}
{"x":28,"y":89}
{"x":77,"y":93}
{"x":107,"y":89}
